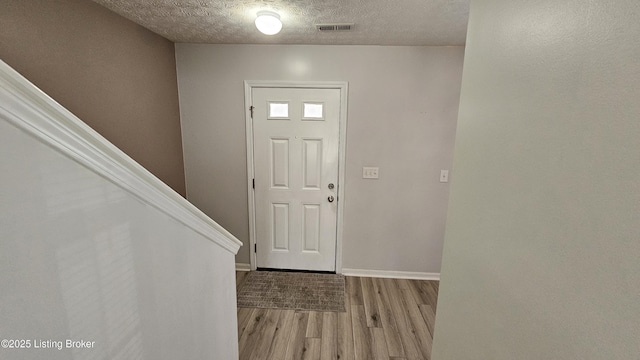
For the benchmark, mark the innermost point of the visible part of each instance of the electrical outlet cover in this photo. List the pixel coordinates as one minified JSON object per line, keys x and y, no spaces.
{"x":444,"y":176}
{"x":370,"y":172}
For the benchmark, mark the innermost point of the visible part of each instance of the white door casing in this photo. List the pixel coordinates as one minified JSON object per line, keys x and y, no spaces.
{"x":295,"y":214}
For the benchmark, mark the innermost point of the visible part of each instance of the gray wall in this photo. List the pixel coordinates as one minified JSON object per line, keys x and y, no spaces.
{"x":542,"y":258}
{"x":403,"y":105}
{"x":115,"y":75}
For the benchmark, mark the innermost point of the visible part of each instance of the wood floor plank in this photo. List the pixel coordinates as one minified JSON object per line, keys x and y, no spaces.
{"x":407,"y":336}
{"x":428,"y":291}
{"x":265,"y":335}
{"x":314,"y":325}
{"x":329,"y":349}
{"x":278,"y":349}
{"x":419,"y":292}
{"x":354,"y":290}
{"x":370,"y":303}
{"x":419,"y":326}
{"x":432,"y":290}
{"x":244,"y":314}
{"x":362,"y":342}
{"x":392,"y":334}
{"x":345,"y":334}
{"x":429,"y":317}
{"x":380,"y":351}
{"x":240,"y":277}
{"x":311,"y":349}
{"x":248,"y":341}
{"x":296,"y":344}
{"x":403,"y":284}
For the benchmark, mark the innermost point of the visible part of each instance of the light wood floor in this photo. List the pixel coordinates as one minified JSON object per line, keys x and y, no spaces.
{"x":385,"y":319}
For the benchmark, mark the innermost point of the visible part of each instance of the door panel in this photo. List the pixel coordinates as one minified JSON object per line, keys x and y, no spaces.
{"x":312,"y":163}
{"x":280,"y":163}
{"x":296,"y":142}
{"x":280,"y":226}
{"x":311,"y":227}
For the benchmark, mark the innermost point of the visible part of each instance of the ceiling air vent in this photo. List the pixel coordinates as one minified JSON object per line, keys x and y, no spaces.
{"x":334,"y":27}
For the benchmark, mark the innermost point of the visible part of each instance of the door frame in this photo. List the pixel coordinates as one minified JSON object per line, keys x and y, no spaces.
{"x":343,"y":86}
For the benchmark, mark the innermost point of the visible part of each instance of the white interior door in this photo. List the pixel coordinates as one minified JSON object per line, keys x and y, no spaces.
{"x":296,"y":152}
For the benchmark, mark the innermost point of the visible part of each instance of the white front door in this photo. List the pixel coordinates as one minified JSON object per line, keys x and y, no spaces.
{"x":296,"y":145}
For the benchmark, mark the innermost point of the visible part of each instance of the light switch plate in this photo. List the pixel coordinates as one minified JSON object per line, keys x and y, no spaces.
{"x":370,"y":172}
{"x":444,"y":176}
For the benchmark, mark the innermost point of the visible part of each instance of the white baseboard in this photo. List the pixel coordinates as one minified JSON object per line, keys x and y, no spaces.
{"x":372,"y":273}
{"x":391,"y":274}
{"x":243,"y":267}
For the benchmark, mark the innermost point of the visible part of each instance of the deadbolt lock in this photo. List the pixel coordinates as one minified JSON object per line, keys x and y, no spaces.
{"x":331,"y":186}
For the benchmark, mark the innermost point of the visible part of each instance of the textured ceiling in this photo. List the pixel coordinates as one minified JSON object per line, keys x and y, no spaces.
{"x":377,"y":22}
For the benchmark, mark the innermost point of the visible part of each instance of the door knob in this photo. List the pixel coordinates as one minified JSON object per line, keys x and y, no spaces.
{"x":330,"y":198}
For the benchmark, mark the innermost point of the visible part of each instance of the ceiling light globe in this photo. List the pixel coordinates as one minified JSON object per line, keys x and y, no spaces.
{"x":268,"y":22}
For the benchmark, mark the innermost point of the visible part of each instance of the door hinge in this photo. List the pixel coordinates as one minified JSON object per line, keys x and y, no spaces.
{"x":251,"y":109}
{"x":255,"y":248}
{"x":254,"y":183}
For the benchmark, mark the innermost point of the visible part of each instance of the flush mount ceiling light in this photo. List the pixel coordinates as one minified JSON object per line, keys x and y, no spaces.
{"x":268,"y":22}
